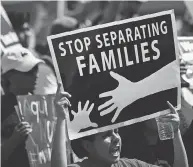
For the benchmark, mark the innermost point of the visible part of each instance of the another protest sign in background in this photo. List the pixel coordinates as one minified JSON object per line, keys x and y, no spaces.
{"x":39,"y":111}
{"x":118,"y":73}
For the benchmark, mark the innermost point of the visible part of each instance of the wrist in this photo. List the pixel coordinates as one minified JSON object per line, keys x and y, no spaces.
{"x":177,"y":133}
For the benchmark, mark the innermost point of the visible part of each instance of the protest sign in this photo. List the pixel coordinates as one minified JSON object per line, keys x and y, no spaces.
{"x":118,"y":73}
{"x":9,"y":38}
{"x":39,"y":111}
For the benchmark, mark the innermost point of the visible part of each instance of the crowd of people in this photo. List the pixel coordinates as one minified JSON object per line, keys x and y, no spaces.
{"x":29,"y":70}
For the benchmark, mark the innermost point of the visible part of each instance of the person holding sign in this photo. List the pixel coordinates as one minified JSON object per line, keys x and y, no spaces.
{"x":103,"y":149}
{"x":13,"y":135}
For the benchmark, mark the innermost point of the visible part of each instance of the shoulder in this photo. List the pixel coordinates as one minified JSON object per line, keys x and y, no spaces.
{"x":135,"y":163}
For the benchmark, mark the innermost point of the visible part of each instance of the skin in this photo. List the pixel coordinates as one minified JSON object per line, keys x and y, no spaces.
{"x":19,"y":135}
{"x":100,"y":150}
{"x":105,"y":149}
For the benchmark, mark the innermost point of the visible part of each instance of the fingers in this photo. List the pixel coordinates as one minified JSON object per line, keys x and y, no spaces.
{"x":91,"y":108}
{"x":167,"y":119}
{"x":26,"y":131}
{"x":23,"y":128}
{"x":73,"y":112}
{"x":60,"y":93}
{"x":65,"y":94}
{"x":94,"y":125}
{"x":64,"y":101}
{"x":108,"y":110}
{"x":169,"y":116}
{"x":106,"y":94}
{"x":21,"y":124}
{"x":79,"y":106}
{"x":116,"y":115}
{"x":86,"y":106}
{"x":172,"y":108}
{"x":106,"y":104}
{"x":116,"y":76}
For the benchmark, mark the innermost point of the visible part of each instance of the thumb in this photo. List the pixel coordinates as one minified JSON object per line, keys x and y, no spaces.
{"x":94,"y":125}
{"x":172,"y":108}
{"x":116,"y":76}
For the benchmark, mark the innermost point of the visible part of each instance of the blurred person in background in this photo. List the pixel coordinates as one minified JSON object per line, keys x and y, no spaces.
{"x":23,"y":72}
{"x":13,"y":134}
{"x":23,"y":69}
{"x":128,"y":9}
{"x":20,"y":23}
{"x":187,"y":24}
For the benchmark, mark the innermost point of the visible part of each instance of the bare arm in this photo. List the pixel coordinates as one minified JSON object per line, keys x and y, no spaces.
{"x":59,"y":155}
{"x":8,"y":147}
{"x":19,"y":135}
{"x":180,"y":157}
{"x":59,"y":151}
{"x":163,"y":79}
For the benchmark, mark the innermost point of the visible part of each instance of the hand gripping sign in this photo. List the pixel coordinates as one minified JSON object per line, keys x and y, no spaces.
{"x":39,"y":111}
{"x":118,"y":73}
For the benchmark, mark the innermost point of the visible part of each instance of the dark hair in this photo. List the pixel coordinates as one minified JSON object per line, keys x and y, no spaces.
{"x":77,"y":146}
{"x":18,"y":19}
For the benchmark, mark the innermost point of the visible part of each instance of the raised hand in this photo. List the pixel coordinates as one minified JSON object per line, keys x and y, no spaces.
{"x":81,"y":119}
{"x":61,"y":102}
{"x":21,"y":131}
{"x":172,"y":117}
{"x":122,"y":96}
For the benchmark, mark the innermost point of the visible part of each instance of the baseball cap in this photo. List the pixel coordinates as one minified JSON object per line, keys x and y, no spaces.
{"x":20,"y":59}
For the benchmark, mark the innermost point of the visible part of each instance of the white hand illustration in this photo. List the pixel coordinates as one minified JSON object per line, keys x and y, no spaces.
{"x":127,"y":92}
{"x":122,"y":96}
{"x":81,"y":118}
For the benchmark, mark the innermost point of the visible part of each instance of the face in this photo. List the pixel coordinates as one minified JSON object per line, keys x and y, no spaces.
{"x":21,"y":83}
{"x":107,"y":146}
{"x":26,"y":36}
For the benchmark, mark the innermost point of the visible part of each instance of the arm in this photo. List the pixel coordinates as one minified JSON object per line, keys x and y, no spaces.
{"x":180,"y":157}
{"x":59,"y":151}
{"x":8,"y":147}
{"x":59,"y":155}
{"x":157,"y":81}
{"x":19,"y":135}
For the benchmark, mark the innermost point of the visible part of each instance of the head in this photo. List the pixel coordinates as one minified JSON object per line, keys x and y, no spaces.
{"x":104,"y":147}
{"x":19,"y":71}
{"x":64,"y":24}
{"x":20,"y":23}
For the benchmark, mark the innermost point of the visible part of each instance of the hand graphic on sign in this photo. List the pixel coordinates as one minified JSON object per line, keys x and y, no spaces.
{"x":120,"y":99}
{"x":127,"y":92}
{"x":81,"y":118}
